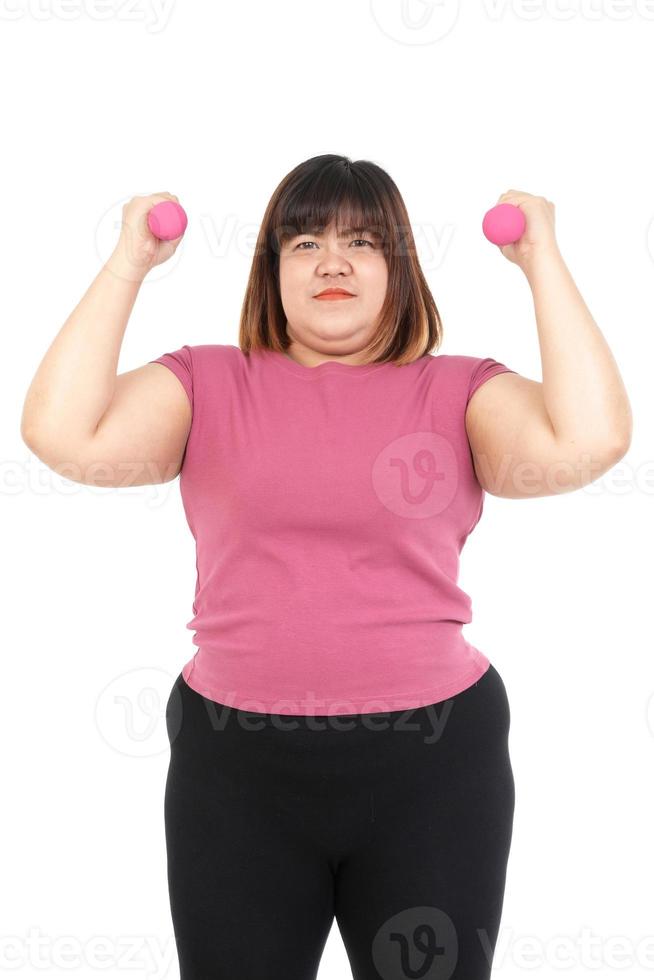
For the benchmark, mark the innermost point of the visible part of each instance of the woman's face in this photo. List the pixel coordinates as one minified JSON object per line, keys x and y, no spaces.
{"x":310,"y":263}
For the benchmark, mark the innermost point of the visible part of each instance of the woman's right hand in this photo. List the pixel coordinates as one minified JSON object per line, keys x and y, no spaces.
{"x":138,"y":250}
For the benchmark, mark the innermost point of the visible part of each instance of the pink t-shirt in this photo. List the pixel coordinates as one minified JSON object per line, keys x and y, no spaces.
{"x":329,"y":506}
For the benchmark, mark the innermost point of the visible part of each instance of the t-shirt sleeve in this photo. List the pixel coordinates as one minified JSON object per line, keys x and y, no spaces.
{"x":180,"y":363}
{"x":483,"y":369}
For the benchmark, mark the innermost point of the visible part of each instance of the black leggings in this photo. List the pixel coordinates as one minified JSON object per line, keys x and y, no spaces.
{"x":398,"y":824}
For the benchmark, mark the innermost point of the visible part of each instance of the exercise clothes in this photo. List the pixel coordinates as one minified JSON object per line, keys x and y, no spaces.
{"x":398,"y":825}
{"x":329,"y":507}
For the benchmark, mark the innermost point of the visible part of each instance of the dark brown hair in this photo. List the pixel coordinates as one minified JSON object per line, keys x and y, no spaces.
{"x":357,"y":195}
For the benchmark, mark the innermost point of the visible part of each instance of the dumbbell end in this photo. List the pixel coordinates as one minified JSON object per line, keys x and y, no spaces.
{"x":167,"y":220}
{"x":503,"y":224}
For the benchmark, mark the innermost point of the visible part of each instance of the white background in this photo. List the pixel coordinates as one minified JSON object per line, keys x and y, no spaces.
{"x":216,"y":103}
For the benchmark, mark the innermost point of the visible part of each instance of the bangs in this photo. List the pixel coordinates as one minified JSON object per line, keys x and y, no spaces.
{"x":314,"y":206}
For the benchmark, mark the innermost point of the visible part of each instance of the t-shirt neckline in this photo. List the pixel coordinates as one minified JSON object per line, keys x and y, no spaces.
{"x":326,"y":367}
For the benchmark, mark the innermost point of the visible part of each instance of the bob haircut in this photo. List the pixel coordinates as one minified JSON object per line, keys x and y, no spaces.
{"x":359,"y":196}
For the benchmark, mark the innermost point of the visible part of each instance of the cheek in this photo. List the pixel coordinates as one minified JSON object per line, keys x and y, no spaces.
{"x":291,"y":276}
{"x":287,"y":287}
{"x":294,"y":302}
{"x":376,"y":283}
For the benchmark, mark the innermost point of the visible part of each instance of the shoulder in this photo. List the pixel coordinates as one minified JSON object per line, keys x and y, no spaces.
{"x":467,"y":372}
{"x":207,"y":359}
{"x":212,"y":352}
{"x":199,"y":366}
{"x":454,"y":364}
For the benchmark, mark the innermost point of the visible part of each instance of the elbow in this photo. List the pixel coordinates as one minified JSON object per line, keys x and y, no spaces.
{"x":35,"y":444}
{"x":622,"y":437}
{"x":29,"y":427}
{"x":39,"y":443}
{"x":616,"y":437}
{"x":32,"y":435}
{"x":623,"y":432}
{"x":622,"y":447}
{"x":618,"y":447}
{"x":28,"y":435}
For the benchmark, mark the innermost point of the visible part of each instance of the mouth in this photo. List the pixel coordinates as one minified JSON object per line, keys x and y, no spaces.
{"x":334,"y":293}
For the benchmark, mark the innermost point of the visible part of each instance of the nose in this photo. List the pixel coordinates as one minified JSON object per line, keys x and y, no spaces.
{"x":332,"y":264}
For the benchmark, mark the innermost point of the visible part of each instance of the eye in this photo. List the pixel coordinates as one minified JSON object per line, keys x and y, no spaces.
{"x":364,"y":240}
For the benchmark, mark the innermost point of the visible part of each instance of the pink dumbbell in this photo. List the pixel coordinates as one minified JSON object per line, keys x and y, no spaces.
{"x":503,"y":224}
{"x":167,"y":220}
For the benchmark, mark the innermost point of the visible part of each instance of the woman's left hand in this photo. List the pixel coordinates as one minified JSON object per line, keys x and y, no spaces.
{"x":538,"y":235}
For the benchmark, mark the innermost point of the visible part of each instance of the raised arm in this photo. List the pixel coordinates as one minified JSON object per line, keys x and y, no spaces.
{"x":533,"y":439}
{"x":79,"y":416}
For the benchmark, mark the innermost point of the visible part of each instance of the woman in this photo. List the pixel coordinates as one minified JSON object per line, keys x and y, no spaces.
{"x":338,"y":749}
